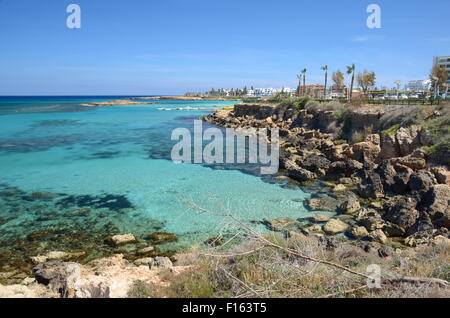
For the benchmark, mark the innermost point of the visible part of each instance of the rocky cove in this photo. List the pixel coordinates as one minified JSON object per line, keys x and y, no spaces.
{"x":386,"y":193}
{"x":383,"y":184}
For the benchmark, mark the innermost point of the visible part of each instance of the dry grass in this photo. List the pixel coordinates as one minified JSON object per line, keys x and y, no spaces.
{"x":271,"y":272}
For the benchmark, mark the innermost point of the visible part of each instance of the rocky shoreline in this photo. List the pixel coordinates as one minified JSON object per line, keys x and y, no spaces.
{"x":388,"y":198}
{"x":186,"y":98}
{"x":119,"y":102}
{"x":394,"y":193}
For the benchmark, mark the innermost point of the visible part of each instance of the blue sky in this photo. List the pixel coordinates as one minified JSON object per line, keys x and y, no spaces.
{"x":172,"y":46}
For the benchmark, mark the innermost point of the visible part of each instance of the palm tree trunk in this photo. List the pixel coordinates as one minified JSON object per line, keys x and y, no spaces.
{"x":304,"y":84}
{"x":351,"y":86}
{"x":325,"y":89}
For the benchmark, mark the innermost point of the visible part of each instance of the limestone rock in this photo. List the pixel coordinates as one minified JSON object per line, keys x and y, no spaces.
{"x":300,"y":174}
{"x":56,"y":255}
{"x":161,"y":262}
{"x":411,"y":162}
{"x":378,"y":236}
{"x":389,"y":147}
{"x":351,"y":206}
{"x":408,"y":139}
{"x":339,"y":188}
{"x":319,"y":218}
{"x":335,"y":226}
{"x":121,"y":239}
{"x":442,"y":175}
{"x":437,"y":200}
{"x":359,"y":232}
{"x":147,"y":261}
{"x":162,"y":237}
{"x":145,"y":250}
{"x":322,"y":202}
{"x":371,"y":186}
{"x":311,"y":229}
{"x":279,"y":224}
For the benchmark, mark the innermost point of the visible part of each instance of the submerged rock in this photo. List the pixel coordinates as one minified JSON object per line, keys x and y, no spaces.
{"x":322,"y":202}
{"x":162,"y":237}
{"x":146,"y":250}
{"x":121,"y":239}
{"x":280,"y":224}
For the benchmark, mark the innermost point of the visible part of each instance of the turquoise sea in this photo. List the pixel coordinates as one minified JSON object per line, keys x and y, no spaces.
{"x":80,"y":173}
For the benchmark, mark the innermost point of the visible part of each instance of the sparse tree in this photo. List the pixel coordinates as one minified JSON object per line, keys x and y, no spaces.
{"x":438,"y":76}
{"x":338,"y":78}
{"x":366,"y":79}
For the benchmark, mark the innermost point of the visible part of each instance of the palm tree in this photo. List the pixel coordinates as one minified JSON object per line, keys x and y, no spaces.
{"x":351,"y":70}
{"x":299,"y":76}
{"x":325,"y":68}
{"x":304,"y":79}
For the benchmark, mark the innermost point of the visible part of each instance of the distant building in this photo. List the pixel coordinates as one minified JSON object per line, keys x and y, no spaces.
{"x":444,"y":62}
{"x":418,"y":85}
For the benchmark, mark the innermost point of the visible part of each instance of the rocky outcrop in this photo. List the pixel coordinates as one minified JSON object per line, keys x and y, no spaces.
{"x":103,"y":278}
{"x":56,"y":255}
{"x":388,"y":168}
{"x":119,"y":102}
{"x":258,"y":111}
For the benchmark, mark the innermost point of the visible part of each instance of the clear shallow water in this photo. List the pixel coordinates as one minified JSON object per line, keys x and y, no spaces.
{"x":58,"y":147}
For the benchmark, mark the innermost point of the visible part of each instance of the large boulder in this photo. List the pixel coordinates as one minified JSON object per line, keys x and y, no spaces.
{"x":408,"y":139}
{"x":421,"y":181}
{"x":162,"y":237}
{"x":401,"y":179}
{"x":378,"y":236}
{"x":346,"y":167}
{"x":121,"y":239}
{"x":297,"y":173}
{"x":280,"y":224}
{"x":410,"y":161}
{"x":322,"y":202}
{"x":371,"y":186}
{"x":436,"y":200}
{"x":364,"y":151}
{"x":59,"y":276}
{"x":401,"y":210}
{"x":359,"y":232}
{"x":314,"y":163}
{"x":442,"y":175}
{"x":389,"y":147}
{"x":335,"y":226}
{"x":370,"y":219}
{"x":350,"y":206}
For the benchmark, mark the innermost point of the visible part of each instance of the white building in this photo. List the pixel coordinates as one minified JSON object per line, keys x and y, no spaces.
{"x":273,"y":91}
{"x":418,"y":85}
{"x":444,"y":62}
